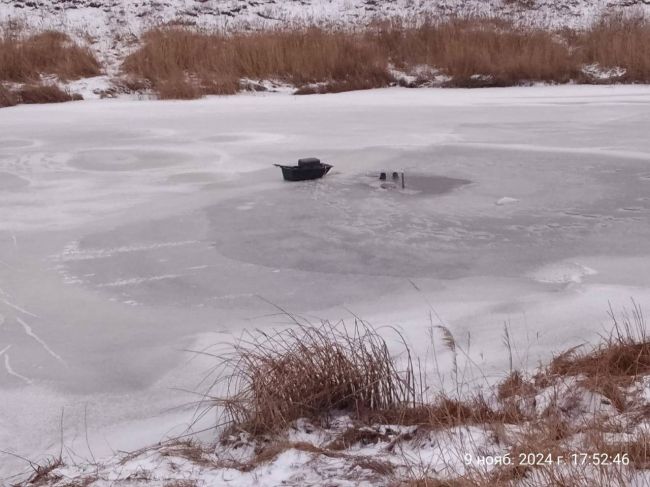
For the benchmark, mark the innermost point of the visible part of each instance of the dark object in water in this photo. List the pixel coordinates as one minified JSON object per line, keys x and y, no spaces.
{"x":395,"y":175}
{"x":382,"y":176}
{"x":307,"y":168}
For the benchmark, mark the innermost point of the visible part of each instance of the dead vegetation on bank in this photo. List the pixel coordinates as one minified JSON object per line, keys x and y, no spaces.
{"x":268,"y":380}
{"x":277,"y":378}
{"x":35,"y":93}
{"x":182,"y":62}
{"x":336,"y":398}
{"x":586,"y":407}
{"x":26,"y":59}
{"x":7,"y":97}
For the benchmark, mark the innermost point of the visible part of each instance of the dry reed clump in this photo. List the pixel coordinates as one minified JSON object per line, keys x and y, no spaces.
{"x":25,"y":58}
{"x":7,"y":98}
{"x":620,"y":359}
{"x":445,"y":412}
{"x":479,"y":52}
{"x":513,"y":386}
{"x":40,"y":93}
{"x":178,"y":89}
{"x":214,"y":63}
{"x":618,"y":41}
{"x":309,"y":372}
{"x":44,"y":474}
{"x":184,"y":62}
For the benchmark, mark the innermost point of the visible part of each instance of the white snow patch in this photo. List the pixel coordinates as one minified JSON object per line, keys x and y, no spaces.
{"x":506,"y":200}
{"x":597,"y":72}
{"x":562,"y":273}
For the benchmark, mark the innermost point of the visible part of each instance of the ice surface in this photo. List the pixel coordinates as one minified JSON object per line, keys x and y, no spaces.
{"x":133,"y":230}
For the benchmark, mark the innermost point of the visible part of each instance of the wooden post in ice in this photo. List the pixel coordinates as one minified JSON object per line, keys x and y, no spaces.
{"x":402,"y":179}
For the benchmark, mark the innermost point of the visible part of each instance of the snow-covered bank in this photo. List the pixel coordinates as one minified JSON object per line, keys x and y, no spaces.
{"x":580,"y":420}
{"x":133,"y":230}
{"x":113,"y":29}
{"x":109,"y":20}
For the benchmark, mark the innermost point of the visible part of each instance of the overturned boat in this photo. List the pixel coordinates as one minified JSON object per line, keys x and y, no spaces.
{"x":307,"y":168}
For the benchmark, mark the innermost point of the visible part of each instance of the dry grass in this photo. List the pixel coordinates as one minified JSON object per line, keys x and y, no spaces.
{"x":178,"y":89}
{"x":181,"y":483}
{"x":355,"y":435}
{"x":212,"y":63}
{"x":43,"y":474}
{"x":25,"y":58}
{"x":513,"y":386}
{"x":621,"y":358}
{"x":445,"y":412}
{"x":188,"y":449}
{"x":40,"y":93}
{"x":618,"y":41}
{"x":309,"y":372}
{"x":277,"y":378}
{"x":479,"y":52}
{"x":183,"y":62}
{"x":432,"y":482}
{"x":638,"y":451}
{"x":7,"y":98}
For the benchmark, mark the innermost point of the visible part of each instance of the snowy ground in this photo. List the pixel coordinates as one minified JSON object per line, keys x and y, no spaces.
{"x":132,"y":230}
{"x":112,"y":19}
{"x":111,"y":27}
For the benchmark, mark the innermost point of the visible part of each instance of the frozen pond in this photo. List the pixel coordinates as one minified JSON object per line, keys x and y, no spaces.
{"x":131,"y":231}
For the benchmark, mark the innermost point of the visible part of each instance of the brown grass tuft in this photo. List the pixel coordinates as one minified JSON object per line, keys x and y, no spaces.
{"x":277,"y":378}
{"x":188,"y":449}
{"x":185,"y":62}
{"x":7,"y":98}
{"x":618,"y":41}
{"x":178,"y":89}
{"x":431,"y":482}
{"x":43,"y":474}
{"x":310,"y":371}
{"x":514,"y":385}
{"x":355,"y":435}
{"x":216,"y":62}
{"x":620,"y":359}
{"x":445,"y":412}
{"x":40,"y":93}
{"x":478,"y":52}
{"x":181,"y":483}
{"x":25,"y":58}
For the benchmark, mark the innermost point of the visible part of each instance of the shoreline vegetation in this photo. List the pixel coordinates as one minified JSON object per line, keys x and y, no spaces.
{"x":182,"y":62}
{"x":330,"y":401}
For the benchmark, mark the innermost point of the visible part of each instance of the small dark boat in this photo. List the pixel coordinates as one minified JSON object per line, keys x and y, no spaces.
{"x":308,"y":168}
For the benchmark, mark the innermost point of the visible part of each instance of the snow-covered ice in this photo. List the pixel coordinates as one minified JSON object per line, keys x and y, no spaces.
{"x":133,"y":230}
